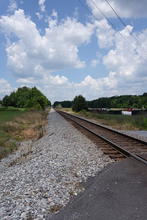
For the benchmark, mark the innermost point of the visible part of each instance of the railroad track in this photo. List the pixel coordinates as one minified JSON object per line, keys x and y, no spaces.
{"x":113,"y":143}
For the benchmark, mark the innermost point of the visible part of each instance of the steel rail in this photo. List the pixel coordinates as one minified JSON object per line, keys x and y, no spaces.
{"x":104,"y":127}
{"x":115,"y":146}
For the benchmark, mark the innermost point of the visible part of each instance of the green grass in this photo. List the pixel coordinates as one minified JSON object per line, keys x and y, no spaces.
{"x":124,"y":122}
{"x":8,"y":115}
{"x":135,"y":122}
{"x":11,"y":108}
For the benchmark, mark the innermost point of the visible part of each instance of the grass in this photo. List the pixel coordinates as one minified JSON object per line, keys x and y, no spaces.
{"x":7,"y":115}
{"x":16,"y":126}
{"x":122,"y":122}
{"x":11,"y":108}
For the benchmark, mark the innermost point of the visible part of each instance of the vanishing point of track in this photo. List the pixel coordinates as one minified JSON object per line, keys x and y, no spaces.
{"x":113,"y":143}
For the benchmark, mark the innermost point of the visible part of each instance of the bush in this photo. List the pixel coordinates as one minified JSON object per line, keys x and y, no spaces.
{"x":79,"y":103}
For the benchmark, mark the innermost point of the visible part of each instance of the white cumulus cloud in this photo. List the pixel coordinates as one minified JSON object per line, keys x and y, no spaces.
{"x":41,"y":5}
{"x":125,"y":61}
{"x":125,"y":8}
{"x":34,"y":58}
{"x":56,"y":49}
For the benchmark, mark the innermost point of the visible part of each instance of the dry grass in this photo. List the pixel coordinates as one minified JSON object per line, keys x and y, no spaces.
{"x":20,"y":127}
{"x":28,"y":126}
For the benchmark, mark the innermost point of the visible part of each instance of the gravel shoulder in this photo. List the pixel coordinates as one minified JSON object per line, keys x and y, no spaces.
{"x":41,"y":177}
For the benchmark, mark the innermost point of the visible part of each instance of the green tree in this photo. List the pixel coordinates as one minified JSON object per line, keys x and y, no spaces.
{"x":64,"y":104}
{"x":27,"y":98}
{"x":12,"y":99}
{"x":79,"y":103}
{"x":124,"y":101}
{"x":5,"y":101}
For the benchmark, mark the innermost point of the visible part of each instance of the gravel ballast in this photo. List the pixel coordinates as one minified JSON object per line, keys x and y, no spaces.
{"x":41,"y":177}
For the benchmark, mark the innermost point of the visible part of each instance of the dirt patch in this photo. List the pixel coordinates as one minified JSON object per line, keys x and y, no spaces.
{"x":29,"y":133}
{"x":28,"y":126}
{"x":55,"y":208}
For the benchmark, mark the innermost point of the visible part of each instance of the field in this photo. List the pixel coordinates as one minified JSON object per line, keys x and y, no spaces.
{"x":122,"y":122}
{"x":16,"y":126}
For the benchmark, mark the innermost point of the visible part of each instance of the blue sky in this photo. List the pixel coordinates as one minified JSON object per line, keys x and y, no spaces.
{"x":66,"y":49}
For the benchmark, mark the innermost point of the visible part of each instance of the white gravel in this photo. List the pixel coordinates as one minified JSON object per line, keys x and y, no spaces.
{"x":42,"y":176}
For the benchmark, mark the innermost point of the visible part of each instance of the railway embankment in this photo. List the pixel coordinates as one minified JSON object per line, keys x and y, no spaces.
{"x":42,"y":178}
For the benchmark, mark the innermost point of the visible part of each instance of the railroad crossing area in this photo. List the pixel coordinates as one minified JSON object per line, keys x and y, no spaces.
{"x":119,"y":192}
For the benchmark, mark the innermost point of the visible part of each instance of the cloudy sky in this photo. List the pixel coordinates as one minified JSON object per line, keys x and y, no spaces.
{"x":67,"y":48}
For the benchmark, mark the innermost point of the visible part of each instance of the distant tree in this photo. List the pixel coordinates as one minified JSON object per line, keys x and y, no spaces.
{"x":64,"y":104}
{"x":56,"y":103}
{"x":123,"y":101}
{"x":12,"y":99}
{"x":5,"y":101}
{"x":79,"y":103}
{"x":33,"y":104}
{"x":27,"y":98}
{"x":22,"y":95}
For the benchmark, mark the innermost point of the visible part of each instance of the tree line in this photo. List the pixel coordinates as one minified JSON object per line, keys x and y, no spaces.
{"x":123,"y":101}
{"x":26,"y":98}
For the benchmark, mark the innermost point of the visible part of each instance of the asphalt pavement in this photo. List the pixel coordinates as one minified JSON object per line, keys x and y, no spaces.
{"x":119,"y":192}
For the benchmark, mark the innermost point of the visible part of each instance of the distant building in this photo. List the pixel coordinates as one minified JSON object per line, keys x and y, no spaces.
{"x":126,"y":112}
